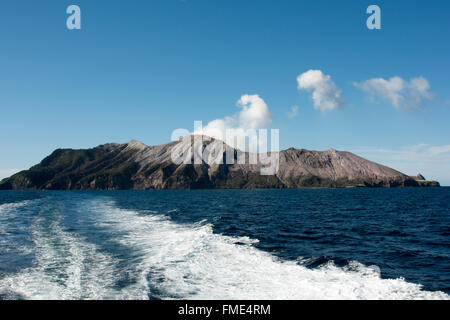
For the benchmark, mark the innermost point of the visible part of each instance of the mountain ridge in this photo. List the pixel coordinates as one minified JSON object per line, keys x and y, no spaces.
{"x":136,"y":166}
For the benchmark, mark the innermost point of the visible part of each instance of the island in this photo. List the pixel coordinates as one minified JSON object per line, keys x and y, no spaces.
{"x":136,"y":166}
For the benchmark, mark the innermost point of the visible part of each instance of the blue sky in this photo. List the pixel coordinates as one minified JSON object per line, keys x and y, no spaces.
{"x":140,"y":69}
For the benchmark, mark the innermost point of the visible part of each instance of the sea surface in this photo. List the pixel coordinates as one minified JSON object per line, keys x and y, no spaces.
{"x":226,"y":244}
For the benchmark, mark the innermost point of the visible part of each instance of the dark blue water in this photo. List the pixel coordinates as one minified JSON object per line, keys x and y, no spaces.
{"x":249,"y":244}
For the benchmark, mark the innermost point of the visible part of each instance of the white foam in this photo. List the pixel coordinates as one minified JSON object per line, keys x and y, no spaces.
{"x":5,"y":207}
{"x":184,"y":261}
{"x":190,"y":261}
{"x":66,"y":267}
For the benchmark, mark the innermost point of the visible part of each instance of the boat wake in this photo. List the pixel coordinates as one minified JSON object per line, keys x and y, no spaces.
{"x":177,"y":261}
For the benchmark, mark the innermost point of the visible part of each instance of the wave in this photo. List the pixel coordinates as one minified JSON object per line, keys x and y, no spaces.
{"x":11,"y":225}
{"x":191,"y":262}
{"x":181,"y":261}
{"x":66,"y":267}
{"x":13,"y":205}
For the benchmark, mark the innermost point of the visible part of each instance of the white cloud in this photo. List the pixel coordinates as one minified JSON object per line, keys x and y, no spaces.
{"x":293,"y":113}
{"x":255,"y":114}
{"x":431,"y":161}
{"x":6,"y":173}
{"x":326,"y":94}
{"x":400,"y":93}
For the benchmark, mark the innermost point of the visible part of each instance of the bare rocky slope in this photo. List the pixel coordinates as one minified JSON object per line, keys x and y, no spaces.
{"x":134,"y":165}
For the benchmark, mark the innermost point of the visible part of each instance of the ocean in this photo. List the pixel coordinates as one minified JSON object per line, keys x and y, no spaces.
{"x":226,"y":244}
